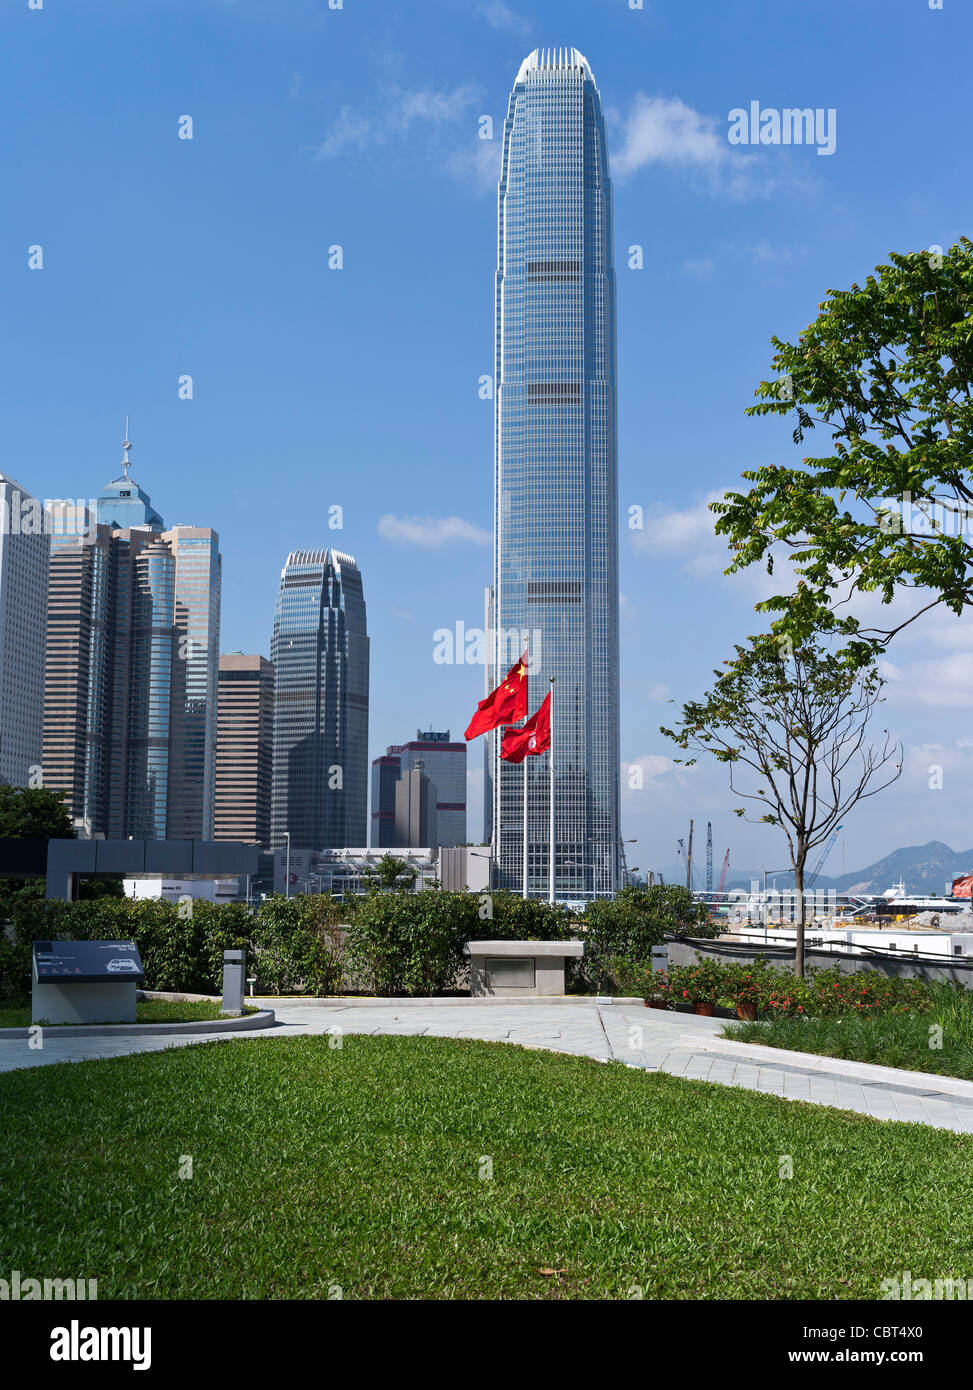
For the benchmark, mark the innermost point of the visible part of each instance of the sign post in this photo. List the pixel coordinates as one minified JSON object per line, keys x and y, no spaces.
{"x":85,"y":981}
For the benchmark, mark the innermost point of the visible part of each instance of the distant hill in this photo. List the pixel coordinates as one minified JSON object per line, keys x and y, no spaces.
{"x":923,"y":869}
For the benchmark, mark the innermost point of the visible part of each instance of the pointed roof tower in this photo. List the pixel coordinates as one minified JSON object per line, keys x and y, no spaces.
{"x":122,"y":504}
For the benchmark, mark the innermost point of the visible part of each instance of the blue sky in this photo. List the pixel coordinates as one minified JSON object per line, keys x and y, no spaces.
{"x":357,"y":387}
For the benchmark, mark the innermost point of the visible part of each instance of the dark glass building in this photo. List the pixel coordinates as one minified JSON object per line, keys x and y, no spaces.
{"x":319,"y":651}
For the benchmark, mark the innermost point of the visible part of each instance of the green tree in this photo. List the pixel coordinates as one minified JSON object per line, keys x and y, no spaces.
{"x":33,"y":812}
{"x":885,"y":372}
{"x":791,"y":722}
{"x":390,"y":869}
{"x":637,"y":919}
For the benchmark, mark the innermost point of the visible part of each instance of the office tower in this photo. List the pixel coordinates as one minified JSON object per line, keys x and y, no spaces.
{"x":244,"y":749}
{"x":415,"y":813}
{"x":556,"y":543}
{"x":319,"y":652}
{"x":132,"y":664}
{"x":77,"y":724}
{"x":444,"y":763}
{"x":197,"y":587}
{"x":24,"y":556}
{"x":385,"y":776}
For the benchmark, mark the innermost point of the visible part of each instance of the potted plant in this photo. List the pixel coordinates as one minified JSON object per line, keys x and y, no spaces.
{"x":747,"y":993}
{"x":700,"y":985}
{"x":658,"y":991}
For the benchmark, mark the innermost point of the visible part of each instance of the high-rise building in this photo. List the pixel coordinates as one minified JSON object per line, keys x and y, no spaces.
{"x":24,"y":556}
{"x":415,"y":809}
{"x":244,"y":749}
{"x":132,"y":663}
{"x":77,"y":687}
{"x":556,"y":542}
{"x":444,"y":763}
{"x":319,"y":652}
{"x":386,"y":771}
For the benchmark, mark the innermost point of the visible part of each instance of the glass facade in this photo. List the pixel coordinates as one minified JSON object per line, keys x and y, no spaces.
{"x":555,"y":584}
{"x":319,"y":651}
{"x":132,"y":665}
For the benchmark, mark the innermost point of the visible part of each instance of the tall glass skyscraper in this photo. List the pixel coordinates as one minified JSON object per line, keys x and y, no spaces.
{"x":133,"y":631}
{"x":556,"y":488}
{"x":319,"y":651}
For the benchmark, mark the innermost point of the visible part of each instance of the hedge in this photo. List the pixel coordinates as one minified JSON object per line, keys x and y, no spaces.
{"x":291,"y":943}
{"x":412,"y":943}
{"x":393,"y":943}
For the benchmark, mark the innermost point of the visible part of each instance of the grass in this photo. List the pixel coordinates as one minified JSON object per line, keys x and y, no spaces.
{"x":17,"y":1015}
{"x":940,"y":1041}
{"x":360,"y":1167}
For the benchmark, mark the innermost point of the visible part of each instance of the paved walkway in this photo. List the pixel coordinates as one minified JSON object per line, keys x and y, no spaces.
{"x":650,"y":1039}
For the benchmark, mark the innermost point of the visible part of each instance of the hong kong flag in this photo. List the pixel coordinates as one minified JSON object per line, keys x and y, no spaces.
{"x":505,"y":705}
{"x":532,"y":738}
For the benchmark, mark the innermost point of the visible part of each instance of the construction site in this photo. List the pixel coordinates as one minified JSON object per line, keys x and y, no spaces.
{"x":894,"y":922}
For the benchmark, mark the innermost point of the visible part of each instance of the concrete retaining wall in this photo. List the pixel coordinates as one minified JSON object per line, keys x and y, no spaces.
{"x":930,"y":968}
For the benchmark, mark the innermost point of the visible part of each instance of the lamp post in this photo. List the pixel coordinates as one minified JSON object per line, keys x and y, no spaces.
{"x":287,"y":871}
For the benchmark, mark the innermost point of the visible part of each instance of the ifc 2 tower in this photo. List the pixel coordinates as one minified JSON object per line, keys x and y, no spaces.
{"x":556,"y":484}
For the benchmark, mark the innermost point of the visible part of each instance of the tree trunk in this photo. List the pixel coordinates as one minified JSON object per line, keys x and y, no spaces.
{"x":799,"y":892}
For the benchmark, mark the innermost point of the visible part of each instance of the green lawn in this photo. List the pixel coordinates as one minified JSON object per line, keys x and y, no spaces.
{"x":17,"y":1015}
{"x":891,"y":1040}
{"x":360,"y":1167}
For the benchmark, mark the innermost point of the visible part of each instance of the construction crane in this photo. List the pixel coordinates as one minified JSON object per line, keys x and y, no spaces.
{"x":726,"y":865}
{"x":687,"y":857}
{"x":709,"y":857}
{"x":824,"y":854}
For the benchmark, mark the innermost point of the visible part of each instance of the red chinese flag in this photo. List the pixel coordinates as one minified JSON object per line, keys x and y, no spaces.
{"x":532,"y":739}
{"x":505,"y":705}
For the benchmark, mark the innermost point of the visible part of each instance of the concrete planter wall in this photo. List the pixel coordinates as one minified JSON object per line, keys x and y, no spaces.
{"x":955,"y":969}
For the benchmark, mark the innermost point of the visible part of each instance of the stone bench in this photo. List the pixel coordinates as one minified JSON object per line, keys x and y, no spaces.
{"x":508,"y":968}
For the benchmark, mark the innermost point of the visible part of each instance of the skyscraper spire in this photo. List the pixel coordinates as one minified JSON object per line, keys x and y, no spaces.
{"x":126,"y":445}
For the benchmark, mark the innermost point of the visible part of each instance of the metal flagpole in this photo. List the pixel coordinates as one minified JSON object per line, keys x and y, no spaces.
{"x":525,"y":827}
{"x":550,"y":757}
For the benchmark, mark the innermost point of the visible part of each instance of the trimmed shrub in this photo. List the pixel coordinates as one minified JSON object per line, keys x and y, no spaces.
{"x":412,"y":943}
{"x":640,"y":918}
{"x":292,"y":944}
{"x":296,"y":945}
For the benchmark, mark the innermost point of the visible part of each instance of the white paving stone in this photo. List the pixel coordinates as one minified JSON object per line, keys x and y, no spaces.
{"x":645,"y":1038}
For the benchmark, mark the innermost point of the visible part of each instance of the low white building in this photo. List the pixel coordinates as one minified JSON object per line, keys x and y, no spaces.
{"x":170,"y":890}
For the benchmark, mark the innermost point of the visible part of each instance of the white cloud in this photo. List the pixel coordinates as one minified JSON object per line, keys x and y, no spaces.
{"x":396,"y":111}
{"x":479,"y":165}
{"x":654,"y":767}
{"x":702,"y":269}
{"x":429,"y":105}
{"x":946,"y":683}
{"x":685,"y":531}
{"x":431,"y":533}
{"x":351,"y":130}
{"x":501,"y":16}
{"x":666,"y":130}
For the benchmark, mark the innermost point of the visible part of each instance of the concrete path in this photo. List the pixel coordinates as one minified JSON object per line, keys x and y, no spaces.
{"x":649,"y":1039}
